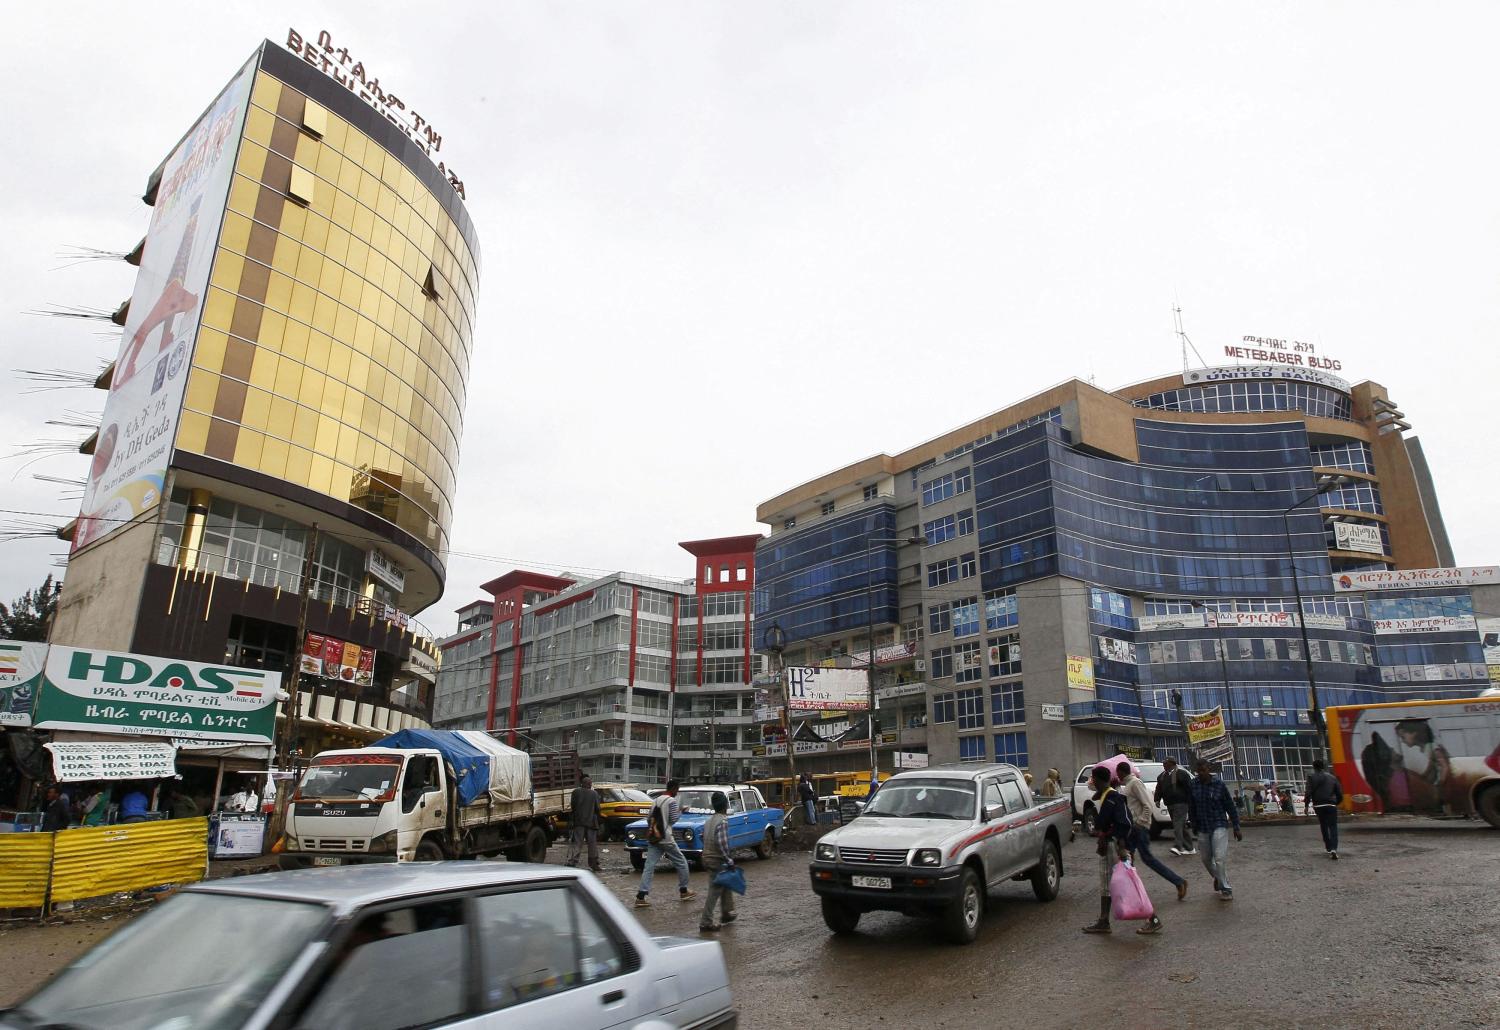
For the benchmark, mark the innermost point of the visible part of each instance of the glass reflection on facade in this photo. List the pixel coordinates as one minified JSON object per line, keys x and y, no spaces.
{"x":337,"y":332}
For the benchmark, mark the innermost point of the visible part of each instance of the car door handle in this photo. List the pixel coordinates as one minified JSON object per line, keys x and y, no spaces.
{"x":610,"y":997}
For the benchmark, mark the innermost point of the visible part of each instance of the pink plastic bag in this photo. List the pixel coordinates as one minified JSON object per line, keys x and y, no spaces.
{"x":1127,"y":895}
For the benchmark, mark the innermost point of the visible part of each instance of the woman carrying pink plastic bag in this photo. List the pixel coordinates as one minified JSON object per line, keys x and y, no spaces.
{"x":1121,"y":892}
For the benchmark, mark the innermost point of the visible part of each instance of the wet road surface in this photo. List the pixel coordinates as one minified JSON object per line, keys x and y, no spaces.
{"x":1404,"y":931}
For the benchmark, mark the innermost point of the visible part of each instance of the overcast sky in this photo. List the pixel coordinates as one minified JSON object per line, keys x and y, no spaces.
{"x":729,"y":247}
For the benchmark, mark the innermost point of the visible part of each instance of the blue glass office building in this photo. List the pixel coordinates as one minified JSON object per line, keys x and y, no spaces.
{"x":1146,"y":539}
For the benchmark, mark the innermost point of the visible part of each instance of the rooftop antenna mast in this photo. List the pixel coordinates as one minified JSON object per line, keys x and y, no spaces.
{"x":1183,"y":336}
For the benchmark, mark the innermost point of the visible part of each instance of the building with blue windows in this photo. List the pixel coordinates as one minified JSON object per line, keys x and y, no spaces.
{"x":1155,"y":541}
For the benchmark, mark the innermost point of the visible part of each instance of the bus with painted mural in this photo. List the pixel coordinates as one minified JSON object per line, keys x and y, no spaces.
{"x":1419,"y":756}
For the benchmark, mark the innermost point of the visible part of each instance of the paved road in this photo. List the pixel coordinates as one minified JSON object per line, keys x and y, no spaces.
{"x":1403,"y":932}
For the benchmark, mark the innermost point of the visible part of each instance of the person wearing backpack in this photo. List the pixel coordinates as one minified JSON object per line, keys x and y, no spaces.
{"x":1174,"y":789}
{"x":665,"y":812}
{"x":1325,"y":794}
{"x":716,"y":857}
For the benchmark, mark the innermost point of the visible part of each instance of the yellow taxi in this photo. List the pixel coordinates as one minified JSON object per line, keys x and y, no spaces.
{"x":620,"y":804}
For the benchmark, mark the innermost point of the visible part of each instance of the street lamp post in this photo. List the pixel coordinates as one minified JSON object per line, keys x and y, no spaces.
{"x":1222,"y":650}
{"x":1325,"y":484}
{"x":870,"y":643}
{"x":774,"y":644}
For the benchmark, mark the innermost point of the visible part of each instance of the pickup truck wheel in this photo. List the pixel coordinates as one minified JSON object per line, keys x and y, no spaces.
{"x":839,"y":917}
{"x":1088,"y":820}
{"x":429,"y":851}
{"x":961,"y":921}
{"x":767,"y":847}
{"x":1047,"y":876}
{"x":637,"y":861}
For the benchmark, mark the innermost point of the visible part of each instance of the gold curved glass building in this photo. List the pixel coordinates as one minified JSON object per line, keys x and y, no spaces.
{"x":287,"y":404}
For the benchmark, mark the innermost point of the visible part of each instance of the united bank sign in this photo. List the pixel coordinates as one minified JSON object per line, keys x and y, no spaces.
{"x":107,"y":691}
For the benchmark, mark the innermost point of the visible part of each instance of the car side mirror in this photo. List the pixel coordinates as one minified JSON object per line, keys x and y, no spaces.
{"x":993,"y":812}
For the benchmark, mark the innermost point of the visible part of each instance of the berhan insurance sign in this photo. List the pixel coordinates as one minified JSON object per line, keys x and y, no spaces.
{"x":106,"y":691}
{"x":1414,"y":579}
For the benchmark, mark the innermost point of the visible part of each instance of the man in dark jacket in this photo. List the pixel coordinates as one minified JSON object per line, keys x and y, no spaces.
{"x":1213,"y":813}
{"x":807,"y":794}
{"x":1174,"y":789}
{"x":1112,"y":826}
{"x":583,"y":819}
{"x":1324,"y":794}
{"x":57,"y":814}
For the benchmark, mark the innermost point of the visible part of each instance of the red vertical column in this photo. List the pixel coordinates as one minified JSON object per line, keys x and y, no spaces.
{"x":635,"y":615}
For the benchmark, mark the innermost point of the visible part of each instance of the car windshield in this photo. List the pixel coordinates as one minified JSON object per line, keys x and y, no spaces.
{"x":198,"y":962}
{"x":701,"y":801}
{"x":359,"y":777}
{"x":923,"y":799}
{"x":626,"y":794}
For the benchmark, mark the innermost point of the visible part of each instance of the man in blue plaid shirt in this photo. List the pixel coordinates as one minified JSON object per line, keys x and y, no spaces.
{"x":1213,"y":812}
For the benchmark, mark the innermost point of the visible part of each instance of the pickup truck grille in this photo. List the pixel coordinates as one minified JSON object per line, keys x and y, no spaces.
{"x":872,"y":856}
{"x":334,"y":844}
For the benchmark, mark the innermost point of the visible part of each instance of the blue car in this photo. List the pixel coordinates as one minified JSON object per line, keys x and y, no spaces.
{"x":751,"y":824}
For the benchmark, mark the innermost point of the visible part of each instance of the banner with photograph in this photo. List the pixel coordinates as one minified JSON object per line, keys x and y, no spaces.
{"x":139,"y":426}
{"x":1115,"y":650}
{"x":20,"y":678}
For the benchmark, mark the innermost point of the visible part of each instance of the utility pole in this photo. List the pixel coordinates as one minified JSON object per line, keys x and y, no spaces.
{"x":294,"y":686}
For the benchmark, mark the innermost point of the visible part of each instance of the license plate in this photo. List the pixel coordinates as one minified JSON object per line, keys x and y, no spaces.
{"x":882,"y":883}
{"x":327,"y":861}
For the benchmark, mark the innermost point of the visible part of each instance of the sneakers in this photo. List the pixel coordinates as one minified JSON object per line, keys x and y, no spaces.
{"x":1334,"y":855}
{"x":1191,"y":851}
{"x":1178,"y":851}
{"x":1227,"y":894}
{"x":641,"y":901}
{"x":1102,"y":926}
{"x":1153,"y":926}
{"x":1182,"y":891}
{"x":686,"y":895}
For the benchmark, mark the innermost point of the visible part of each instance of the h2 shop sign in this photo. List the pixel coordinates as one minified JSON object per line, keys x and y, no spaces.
{"x":85,"y":689}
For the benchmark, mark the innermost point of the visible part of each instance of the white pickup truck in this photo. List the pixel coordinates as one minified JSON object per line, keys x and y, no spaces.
{"x":935,"y":842}
{"x":1083,"y":797}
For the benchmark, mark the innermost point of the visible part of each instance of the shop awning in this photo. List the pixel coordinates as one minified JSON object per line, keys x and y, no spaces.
{"x":104,"y":760}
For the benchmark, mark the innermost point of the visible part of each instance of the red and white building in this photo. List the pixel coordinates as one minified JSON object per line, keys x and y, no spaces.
{"x":647,"y":678}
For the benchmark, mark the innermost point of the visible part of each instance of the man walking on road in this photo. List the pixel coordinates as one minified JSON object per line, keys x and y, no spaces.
{"x":583,"y":817}
{"x":1324,"y":794}
{"x":665,"y":812}
{"x":1138,"y":800}
{"x":1174,"y":790}
{"x":1213,"y":812}
{"x":715,"y":858}
{"x":1112,"y":827}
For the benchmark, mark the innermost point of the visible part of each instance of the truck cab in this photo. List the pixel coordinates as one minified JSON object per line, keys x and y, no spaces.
{"x":367,"y":805}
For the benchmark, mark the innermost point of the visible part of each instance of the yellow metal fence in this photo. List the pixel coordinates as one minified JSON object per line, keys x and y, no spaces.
{"x":90,"y":862}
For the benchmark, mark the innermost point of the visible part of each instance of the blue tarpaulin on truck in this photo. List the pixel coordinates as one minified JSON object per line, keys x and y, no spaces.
{"x":481,"y":765}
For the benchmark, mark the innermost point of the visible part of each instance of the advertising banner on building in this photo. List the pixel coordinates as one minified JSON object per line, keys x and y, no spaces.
{"x":1206,"y":727}
{"x":1217,"y":750}
{"x":139,"y":426}
{"x":1080,"y":672}
{"x":1236,"y":373}
{"x":1053,"y":713}
{"x":312,"y":655}
{"x":1357,"y":536}
{"x":20,"y":678}
{"x":1158,"y":623}
{"x":1411,"y":579}
{"x":885,"y":655}
{"x":1426,"y":624}
{"x":1489,"y":639}
{"x":107,"y":691}
{"x":385,"y":570}
{"x":1114,"y":650}
{"x":815,"y":689}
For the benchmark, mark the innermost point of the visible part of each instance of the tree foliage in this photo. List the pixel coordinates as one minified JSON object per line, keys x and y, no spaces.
{"x":28,"y":617}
